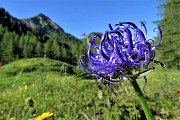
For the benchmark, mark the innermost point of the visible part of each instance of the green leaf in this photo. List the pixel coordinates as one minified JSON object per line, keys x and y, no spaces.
{"x":84,"y":76}
{"x":140,"y":74}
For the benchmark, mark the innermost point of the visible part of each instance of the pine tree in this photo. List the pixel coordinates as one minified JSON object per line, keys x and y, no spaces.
{"x":20,"y":46}
{"x":8,"y":47}
{"x":32,"y":46}
{"x":16,"y":48}
{"x":170,"y":46}
{"x":47,"y":49}
{"x":25,"y":50}
{"x":39,"y":49}
{"x":56,"y":50}
{"x":64,"y":54}
{"x":26,"y":47}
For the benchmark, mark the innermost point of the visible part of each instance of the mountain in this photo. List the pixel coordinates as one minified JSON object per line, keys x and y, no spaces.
{"x":42,"y":24}
{"x":36,"y":36}
{"x":11,"y":23}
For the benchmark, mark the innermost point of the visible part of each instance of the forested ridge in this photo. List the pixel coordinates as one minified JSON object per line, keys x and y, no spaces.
{"x":169,"y":50}
{"x":38,"y":36}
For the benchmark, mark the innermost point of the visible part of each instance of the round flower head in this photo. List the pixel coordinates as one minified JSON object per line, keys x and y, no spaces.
{"x":117,"y":51}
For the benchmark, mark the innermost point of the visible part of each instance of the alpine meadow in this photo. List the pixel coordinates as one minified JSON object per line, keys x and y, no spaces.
{"x":48,"y":74}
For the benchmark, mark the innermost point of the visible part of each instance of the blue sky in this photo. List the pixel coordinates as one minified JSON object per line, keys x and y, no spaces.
{"x":86,"y":16}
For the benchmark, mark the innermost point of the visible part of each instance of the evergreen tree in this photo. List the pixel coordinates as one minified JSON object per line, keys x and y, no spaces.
{"x":47,"y":49}
{"x":8,"y":47}
{"x":64,"y":54}
{"x":170,"y":46}
{"x":56,"y":50}
{"x":16,"y":48}
{"x":39,"y":49}
{"x":25,"y":49}
{"x":32,"y":46}
{"x":21,"y":46}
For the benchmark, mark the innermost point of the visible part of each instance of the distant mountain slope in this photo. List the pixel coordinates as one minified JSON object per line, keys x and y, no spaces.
{"x":42,"y":24}
{"x":11,"y":23}
{"x":37,"y":36}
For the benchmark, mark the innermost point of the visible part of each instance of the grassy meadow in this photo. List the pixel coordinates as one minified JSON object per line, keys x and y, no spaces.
{"x":31,"y":87}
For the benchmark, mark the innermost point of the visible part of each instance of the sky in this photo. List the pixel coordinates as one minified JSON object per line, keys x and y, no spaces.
{"x":85,"y":16}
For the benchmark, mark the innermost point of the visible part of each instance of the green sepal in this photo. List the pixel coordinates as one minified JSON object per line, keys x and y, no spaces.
{"x":160,"y":63}
{"x":84,"y":76}
{"x":140,"y":74}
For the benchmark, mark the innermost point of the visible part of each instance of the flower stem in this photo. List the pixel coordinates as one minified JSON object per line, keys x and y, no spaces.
{"x":142,"y":100}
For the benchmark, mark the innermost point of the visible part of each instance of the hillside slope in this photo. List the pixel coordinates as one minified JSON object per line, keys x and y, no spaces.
{"x":36,"y":36}
{"x":28,"y":70}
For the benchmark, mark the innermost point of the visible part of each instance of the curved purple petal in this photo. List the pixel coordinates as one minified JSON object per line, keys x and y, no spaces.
{"x":119,"y":51}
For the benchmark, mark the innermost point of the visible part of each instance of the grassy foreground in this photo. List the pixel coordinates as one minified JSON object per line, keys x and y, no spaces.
{"x":31,"y":87}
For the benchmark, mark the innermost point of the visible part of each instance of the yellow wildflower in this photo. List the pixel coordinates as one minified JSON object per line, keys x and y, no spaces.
{"x":44,"y":115}
{"x":25,"y":87}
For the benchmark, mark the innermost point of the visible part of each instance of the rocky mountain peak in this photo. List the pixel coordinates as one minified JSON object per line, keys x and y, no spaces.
{"x":42,"y":23}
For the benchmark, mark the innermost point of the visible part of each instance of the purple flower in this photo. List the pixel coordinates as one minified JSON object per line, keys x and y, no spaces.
{"x":115,"y":53}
